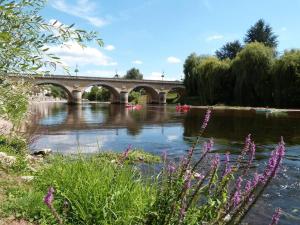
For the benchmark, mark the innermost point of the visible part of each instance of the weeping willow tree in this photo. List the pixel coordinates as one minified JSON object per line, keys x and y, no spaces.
{"x":190,"y":68}
{"x":252,"y":69}
{"x":214,"y":83}
{"x":208,"y":78}
{"x":287,"y":80}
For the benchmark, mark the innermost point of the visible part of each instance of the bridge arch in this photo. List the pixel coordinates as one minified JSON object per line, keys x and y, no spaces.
{"x":179,"y":90}
{"x":152,"y":93}
{"x":57,"y":84}
{"x":115,"y":95}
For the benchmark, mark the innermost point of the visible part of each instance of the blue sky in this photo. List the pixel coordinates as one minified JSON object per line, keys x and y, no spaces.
{"x":158,"y":35}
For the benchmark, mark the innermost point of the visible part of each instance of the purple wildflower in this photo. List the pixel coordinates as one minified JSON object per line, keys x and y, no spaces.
{"x":187,"y":180}
{"x":251,"y":152}
{"x":247,"y":143}
{"x":198,"y":176}
{"x":171,"y":168}
{"x":257,"y":179}
{"x":274,"y":161}
{"x":206,"y":119}
{"x":216,"y":161}
{"x":48,"y":199}
{"x":236,"y":198}
{"x":207,"y":146}
{"x":237,"y":194}
{"x":248,"y":186}
{"x":126,"y":152}
{"x":248,"y":189}
{"x":276,"y":216}
{"x":227,"y":166}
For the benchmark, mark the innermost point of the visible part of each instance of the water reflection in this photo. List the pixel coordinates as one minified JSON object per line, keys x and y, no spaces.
{"x":96,"y":127}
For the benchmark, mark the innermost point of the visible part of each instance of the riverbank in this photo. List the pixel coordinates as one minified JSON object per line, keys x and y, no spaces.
{"x":258,"y":109}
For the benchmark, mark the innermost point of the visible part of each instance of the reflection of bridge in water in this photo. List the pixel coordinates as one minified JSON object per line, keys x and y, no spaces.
{"x":62,"y":117}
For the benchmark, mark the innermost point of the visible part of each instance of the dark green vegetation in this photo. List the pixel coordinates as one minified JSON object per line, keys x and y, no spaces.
{"x":249,"y":75}
{"x":133,"y":74}
{"x":57,"y":92}
{"x":97,"y":94}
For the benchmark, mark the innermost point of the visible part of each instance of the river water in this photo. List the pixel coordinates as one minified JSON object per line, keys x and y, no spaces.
{"x":91,"y":128}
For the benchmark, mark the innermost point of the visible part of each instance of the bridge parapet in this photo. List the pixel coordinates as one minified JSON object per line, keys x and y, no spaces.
{"x":118,"y":87}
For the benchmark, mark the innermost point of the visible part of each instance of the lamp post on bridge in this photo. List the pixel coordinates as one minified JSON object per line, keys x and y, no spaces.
{"x":162,"y":75}
{"x":76,"y":70}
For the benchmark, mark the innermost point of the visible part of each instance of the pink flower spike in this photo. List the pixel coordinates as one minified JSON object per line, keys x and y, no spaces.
{"x":276,"y":217}
{"x":48,"y":199}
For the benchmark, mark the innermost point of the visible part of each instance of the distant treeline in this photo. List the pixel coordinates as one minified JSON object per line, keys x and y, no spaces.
{"x":251,"y":75}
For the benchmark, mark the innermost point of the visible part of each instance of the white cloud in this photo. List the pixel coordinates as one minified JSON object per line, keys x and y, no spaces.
{"x":214,"y":37}
{"x":138,"y":62}
{"x":83,"y":9}
{"x":173,"y":60}
{"x":72,"y":53}
{"x":109,"y":47}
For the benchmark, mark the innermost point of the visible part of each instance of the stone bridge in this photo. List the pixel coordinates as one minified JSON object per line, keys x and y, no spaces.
{"x":118,"y":87}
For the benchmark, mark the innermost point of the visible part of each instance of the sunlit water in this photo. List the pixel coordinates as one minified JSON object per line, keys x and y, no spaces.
{"x":90,"y":128}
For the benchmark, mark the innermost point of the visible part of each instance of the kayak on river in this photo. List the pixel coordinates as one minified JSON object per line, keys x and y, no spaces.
{"x":133,"y":107}
{"x":183,"y":107}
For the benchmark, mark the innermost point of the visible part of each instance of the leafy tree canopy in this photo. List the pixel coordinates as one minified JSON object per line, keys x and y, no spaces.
{"x":26,"y":37}
{"x":263,"y":33}
{"x":229,"y":50}
{"x":133,"y":74}
{"x":287,"y":79}
{"x":252,"y":69}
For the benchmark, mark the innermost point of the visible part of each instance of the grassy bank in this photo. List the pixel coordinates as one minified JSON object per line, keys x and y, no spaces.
{"x":104,"y":188}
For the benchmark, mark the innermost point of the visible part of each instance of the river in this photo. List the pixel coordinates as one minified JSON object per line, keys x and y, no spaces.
{"x":91,"y":128}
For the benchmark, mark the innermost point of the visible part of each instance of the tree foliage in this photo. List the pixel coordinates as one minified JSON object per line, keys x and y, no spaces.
{"x":98,"y":94}
{"x":208,"y":78}
{"x":25,"y":41}
{"x":13,"y":101}
{"x":26,"y":37}
{"x":229,"y":50}
{"x":287,"y":80}
{"x":263,"y":33}
{"x":133,"y":74}
{"x":252,"y":70}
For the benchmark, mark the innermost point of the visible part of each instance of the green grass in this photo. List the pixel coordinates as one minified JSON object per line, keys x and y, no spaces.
{"x":17,"y":147}
{"x":134,"y":156}
{"x":96,"y":190}
{"x":172,"y":98}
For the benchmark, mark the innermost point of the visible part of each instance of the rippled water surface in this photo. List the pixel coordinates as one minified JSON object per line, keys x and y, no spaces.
{"x":90,"y":128}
